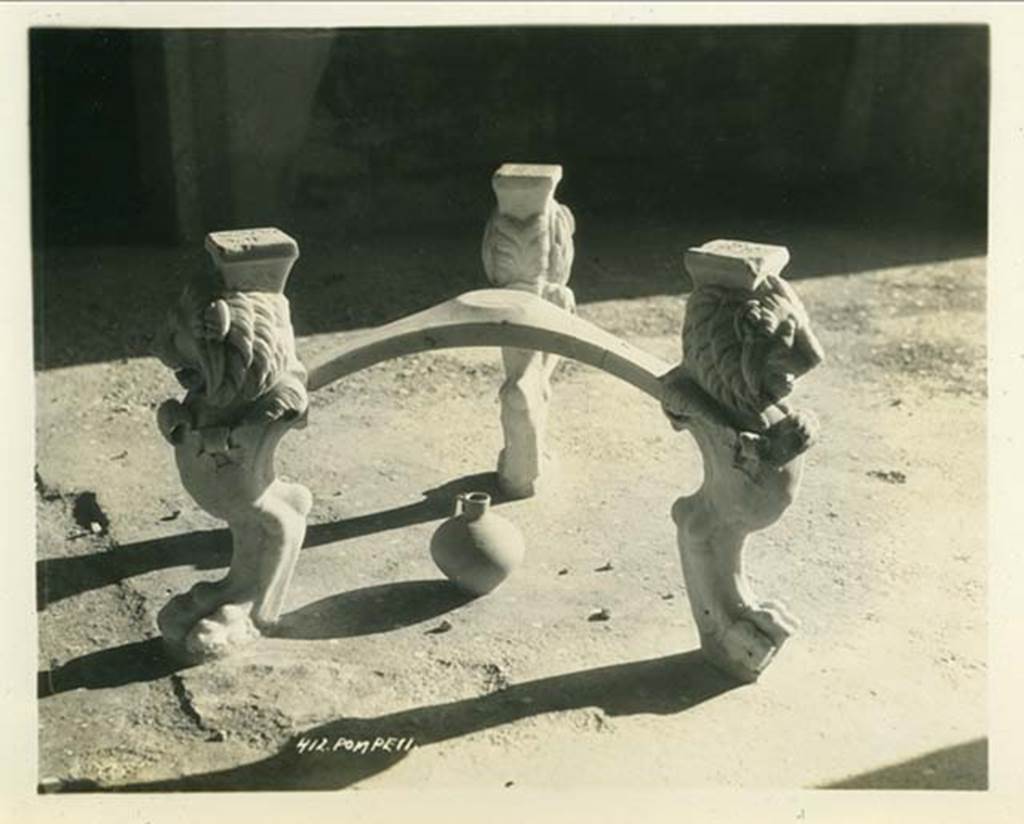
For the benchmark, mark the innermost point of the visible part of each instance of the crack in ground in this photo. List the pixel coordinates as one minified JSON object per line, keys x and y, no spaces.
{"x":187,"y":702}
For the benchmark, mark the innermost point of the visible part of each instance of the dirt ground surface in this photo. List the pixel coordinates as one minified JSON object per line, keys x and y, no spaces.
{"x":882,"y":556}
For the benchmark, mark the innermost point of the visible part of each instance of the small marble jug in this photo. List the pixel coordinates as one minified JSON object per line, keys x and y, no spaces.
{"x":476,"y":548}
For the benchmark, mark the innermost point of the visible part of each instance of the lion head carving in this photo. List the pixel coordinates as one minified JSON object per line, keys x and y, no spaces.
{"x":233,"y":350}
{"x":747,"y":349}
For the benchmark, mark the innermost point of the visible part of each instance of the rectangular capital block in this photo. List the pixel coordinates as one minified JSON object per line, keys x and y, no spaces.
{"x":525,"y":189}
{"x":734,"y":264}
{"x":253,"y":260}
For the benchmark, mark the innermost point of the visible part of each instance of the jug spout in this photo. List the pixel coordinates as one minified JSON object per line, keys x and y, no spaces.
{"x":473,"y":505}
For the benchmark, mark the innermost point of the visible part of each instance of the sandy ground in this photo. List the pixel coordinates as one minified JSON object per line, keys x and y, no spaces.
{"x":882,"y":556}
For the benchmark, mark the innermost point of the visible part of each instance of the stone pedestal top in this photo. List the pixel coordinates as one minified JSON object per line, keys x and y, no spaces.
{"x":525,"y":189}
{"x":253,"y":260}
{"x":549,"y":171}
{"x":734,"y":264}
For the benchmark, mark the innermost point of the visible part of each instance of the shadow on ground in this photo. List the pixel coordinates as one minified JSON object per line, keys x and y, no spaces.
{"x":91,"y":305}
{"x":961,"y":767}
{"x":115,"y":667}
{"x":371,"y":610}
{"x":59,"y":578}
{"x":662,"y":686}
{"x":347,"y":614}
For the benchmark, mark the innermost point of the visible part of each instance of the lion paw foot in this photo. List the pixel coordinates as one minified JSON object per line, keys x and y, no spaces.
{"x":207,"y":621}
{"x":517,"y":482}
{"x":228,"y":629}
{"x":749,"y":643}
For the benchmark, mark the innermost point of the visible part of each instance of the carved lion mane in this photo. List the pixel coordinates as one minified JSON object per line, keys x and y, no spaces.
{"x":746,"y":349}
{"x":235,"y":349}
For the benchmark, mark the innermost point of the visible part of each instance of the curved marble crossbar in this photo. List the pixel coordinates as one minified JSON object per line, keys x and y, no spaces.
{"x":495,"y":317}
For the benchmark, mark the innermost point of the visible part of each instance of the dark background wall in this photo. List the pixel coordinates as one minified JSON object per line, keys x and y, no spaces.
{"x":141,"y":136}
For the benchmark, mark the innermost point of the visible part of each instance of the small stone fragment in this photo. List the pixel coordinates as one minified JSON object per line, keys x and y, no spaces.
{"x":890,"y":476}
{"x":172,"y":516}
{"x":444,"y":626}
{"x":95,"y":528}
{"x":605,"y":567}
{"x":217,"y":736}
{"x":509,"y":783}
{"x":601,"y":614}
{"x":563,"y":571}
{"x":668,"y":596}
